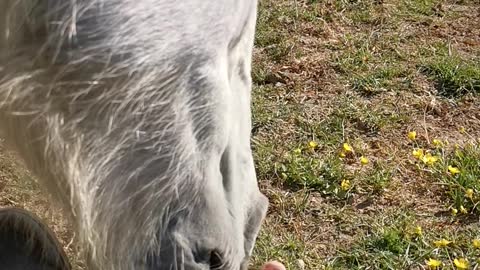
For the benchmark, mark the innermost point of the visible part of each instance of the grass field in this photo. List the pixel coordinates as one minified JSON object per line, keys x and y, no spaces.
{"x":366,"y":135}
{"x":367,"y":74}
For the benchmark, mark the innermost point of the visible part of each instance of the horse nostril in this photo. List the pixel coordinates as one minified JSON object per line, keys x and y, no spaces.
{"x":215,"y":260}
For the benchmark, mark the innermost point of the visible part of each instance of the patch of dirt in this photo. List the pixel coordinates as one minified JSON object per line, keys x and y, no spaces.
{"x":18,"y":189}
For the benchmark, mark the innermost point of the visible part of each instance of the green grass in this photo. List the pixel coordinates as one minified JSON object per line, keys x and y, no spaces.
{"x":453,"y":75}
{"x":378,"y":178}
{"x":367,"y":118}
{"x":273,"y":23}
{"x":365,"y":73}
{"x":289,"y":248}
{"x":467,"y":161}
{"x":302,"y":169}
{"x":396,"y":243}
{"x":381,"y":80}
{"x":420,"y":8}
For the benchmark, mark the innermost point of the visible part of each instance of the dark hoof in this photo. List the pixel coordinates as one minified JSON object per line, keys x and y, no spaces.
{"x":27,"y":244}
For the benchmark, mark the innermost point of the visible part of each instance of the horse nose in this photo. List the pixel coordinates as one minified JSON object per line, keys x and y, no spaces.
{"x":173,"y":257}
{"x":169,"y":257}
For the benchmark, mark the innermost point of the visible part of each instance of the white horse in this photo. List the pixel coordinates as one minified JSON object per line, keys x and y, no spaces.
{"x":135,"y":115}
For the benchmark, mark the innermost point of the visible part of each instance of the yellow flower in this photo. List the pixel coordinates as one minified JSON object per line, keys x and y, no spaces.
{"x":454,"y":211}
{"x":418,"y":231}
{"x":461,"y":263}
{"x":364,"y":160}
{"x":432,"y":159}
{"x":469,"y":193}
{"x":453,"y":170}
{"x":437,"y":142}
{"x":442,"y":243}
{"x":433,"y":264}
{"x":342,"y":154}
{"x":412,"y":135}
{"x":463,"y":210}
{"x":429,"y":159}
{"x":417,"y":153}
{"x":347,"y":147}
{"x":312,"y":144}
{"x":462,"y":129}
{"x":476,"y":243}
{"x":345,"y":185}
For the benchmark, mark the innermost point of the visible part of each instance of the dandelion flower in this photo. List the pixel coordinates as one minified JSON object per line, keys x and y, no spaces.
{"x":345,"y":185}
{"x":418,"y":231}
{"x":417,"y":153}
{"x":442,"y":243}
{"x":454,"y":211}
{"x":342,"y":154}
{"x":347,"y":147}
{"x":364,"y":160}
{"x":453,"y":170}
{"x":412,"y":135}
{"x":312,"y":144}
{"x":461,"y":263}
{"x":476,"y":243}
{"x":463,"y":210}
{"x":469,"y":193}
{"x":433,"y":264}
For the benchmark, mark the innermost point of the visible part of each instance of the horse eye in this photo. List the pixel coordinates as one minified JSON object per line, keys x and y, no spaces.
{"x":215,"y":261}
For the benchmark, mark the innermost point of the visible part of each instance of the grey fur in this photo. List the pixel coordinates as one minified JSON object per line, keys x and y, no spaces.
{"x":135,"y":114}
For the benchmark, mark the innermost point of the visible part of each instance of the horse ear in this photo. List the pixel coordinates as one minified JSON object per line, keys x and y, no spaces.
{"x":26,"y":243}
